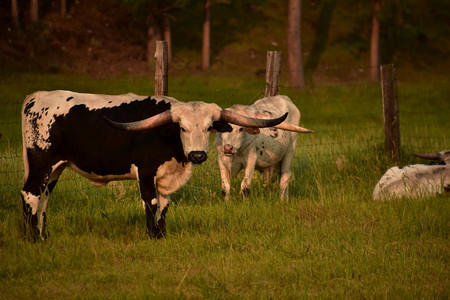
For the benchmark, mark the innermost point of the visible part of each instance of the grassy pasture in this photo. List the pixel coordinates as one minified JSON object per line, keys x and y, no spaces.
{"x":330,"y":240}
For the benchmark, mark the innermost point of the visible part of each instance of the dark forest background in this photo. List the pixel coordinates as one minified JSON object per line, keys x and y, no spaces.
{"x":110,"y":37}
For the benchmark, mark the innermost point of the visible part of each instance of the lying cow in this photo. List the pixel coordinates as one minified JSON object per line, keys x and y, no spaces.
{"x":268,"y":150}
{"x":152,"y":139}
{"x":415,"y":180}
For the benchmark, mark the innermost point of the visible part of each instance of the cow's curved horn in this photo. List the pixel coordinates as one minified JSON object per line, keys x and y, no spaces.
{"x":430,"y":156}
{"x":237,"y":119}
{"x":442,"y":156}
{"x":291,"y":127}
{"x":146,"y":124}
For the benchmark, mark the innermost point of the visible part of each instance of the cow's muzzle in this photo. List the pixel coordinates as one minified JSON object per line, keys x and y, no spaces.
{"x":197,"y":157}
{"x":228,"y":150}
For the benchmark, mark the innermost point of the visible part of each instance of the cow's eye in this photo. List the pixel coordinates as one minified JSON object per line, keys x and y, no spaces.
{"x":182,"y":129}
{"x":241,"y":129}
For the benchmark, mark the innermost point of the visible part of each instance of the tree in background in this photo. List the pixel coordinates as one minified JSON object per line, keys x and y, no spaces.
{"x":153,"y":31}
{"x":15,"y":14}
{"x":294,"y":50}
{"x":410,"y":31}
{"x":34,"y":10}
{"x":206,"y":36}
{"x":158,"y":17}
{"x":168,"y":36}
{"x":63,"y":8}
{"x":375,"y":43}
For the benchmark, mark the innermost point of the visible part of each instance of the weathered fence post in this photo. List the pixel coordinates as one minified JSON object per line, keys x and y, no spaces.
{"x":390,"y":111}
{"x":273,"y":67}
{"x":161,"y":69}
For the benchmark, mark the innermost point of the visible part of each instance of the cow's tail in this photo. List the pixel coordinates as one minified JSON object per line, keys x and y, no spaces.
{"x":24,"y":147}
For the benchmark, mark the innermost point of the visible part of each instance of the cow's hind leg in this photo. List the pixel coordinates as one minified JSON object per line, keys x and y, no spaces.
{"x":56,"y":172}
{"x":285,"y":172}
{"x":38,"y":185}
{"x":269,"y":174}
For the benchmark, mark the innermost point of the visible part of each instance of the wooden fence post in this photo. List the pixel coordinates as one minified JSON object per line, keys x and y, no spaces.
{"x":273,"y":67}
{"x":390,"y":111}
{"x":161,"y":69}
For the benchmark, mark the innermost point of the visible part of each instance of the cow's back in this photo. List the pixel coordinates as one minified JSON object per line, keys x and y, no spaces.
{"x":277,"y":106}
{"x":272,"y":144}
{"x":41,"y":110}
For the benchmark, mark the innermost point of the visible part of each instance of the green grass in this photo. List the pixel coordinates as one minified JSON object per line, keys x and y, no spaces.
{"x":330,"y":240}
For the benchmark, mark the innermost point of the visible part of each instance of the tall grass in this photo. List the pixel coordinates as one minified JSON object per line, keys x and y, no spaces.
{"x":330,"y":240}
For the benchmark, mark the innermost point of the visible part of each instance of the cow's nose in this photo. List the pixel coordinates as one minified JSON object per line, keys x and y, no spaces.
{"x":228,"y":150}
{"x":197,"y":157}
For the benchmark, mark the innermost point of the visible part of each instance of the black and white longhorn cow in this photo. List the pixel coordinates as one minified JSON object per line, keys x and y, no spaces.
{"x":104,"y":138}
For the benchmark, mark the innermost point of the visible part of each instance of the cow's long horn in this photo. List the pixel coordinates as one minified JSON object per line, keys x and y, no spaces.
{"x":291,"y":127}
{"x":146,"y":124}
{"x":237,"y":119}
{"x":441,"y":156}
{"x":431,"y":156}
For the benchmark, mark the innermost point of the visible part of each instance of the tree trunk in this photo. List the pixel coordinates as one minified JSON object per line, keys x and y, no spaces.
{"x":15,"y":14}
{"x":296,"y":76}
{"x":168,"y":37}
{"x":153,"y":35}
{"x":375,"y":44}
{"x":34,"y":10}
{"x":63,"y":8}
{"x":206,"y":37}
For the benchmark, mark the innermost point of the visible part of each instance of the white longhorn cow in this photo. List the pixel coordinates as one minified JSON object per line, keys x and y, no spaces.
{"x":415,"y":180}
{"x":267,"y":150}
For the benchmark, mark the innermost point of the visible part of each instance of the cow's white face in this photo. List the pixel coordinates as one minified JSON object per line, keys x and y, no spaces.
{"x":196,"y":122}
{"x":231,"y":142}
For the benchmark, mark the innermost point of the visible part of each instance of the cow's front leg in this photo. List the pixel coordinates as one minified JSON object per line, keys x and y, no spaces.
{"x":248,"y":175}
{"x":225,"y":177}
{"x":163,"y":206}
{"x":148,"y":194}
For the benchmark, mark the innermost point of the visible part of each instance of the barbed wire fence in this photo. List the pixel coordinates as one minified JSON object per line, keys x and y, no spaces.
{"x":341,"y":127}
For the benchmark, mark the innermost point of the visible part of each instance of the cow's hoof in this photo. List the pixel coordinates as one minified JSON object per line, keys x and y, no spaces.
{"x":245,"y":193}
{"x":157,"y":234}
{"x":153,"y":233}
{"x":161,"y":234}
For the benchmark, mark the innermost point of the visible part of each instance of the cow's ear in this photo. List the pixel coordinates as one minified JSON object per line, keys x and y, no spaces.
{"x":221,"y":126}
{"x":251,"y":130}
{"x":169,"y":129}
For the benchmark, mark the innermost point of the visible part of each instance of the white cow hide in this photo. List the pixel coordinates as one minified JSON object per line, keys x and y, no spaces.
{"x":417,"y":180}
